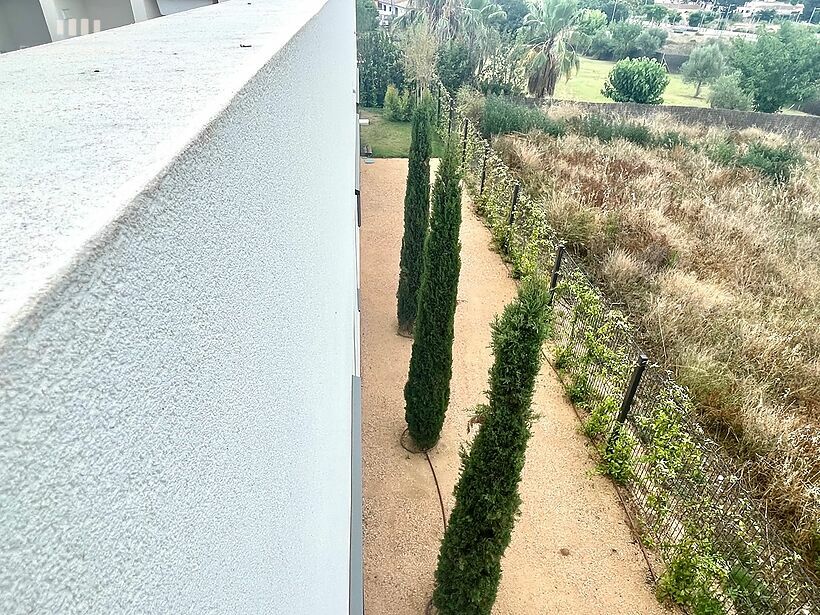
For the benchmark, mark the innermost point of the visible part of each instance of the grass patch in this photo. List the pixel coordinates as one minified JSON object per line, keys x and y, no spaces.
{"x":586,"y":86}
{"x":391,"y":139}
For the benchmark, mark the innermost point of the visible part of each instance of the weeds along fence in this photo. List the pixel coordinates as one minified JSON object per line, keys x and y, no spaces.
{"x":721,"y":553}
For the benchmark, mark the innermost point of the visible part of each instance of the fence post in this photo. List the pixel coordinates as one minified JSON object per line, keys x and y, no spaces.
{"x":514,"y":204}
{"x":450,"y":123}
{"x":629,"y":397}
{"x":556,"y":268}
{"x":464,"y":142}
{"x":483,"y":172}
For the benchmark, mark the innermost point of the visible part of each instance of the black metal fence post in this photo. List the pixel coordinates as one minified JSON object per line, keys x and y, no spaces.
{"x":514,"y":203}
{"x":629,"y":397}
{"x":483,"y":172}
{"x":556,"y":269}
{"x":450,"y":123}
{"x":464,"y":141}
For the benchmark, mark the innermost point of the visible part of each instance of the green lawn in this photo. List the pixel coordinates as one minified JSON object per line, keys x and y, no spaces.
{"x":586,"y":86}
{"x":390,"y":139}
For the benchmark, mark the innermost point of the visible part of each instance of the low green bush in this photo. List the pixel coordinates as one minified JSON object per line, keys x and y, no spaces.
{"x":502,"y":116}
{"x":774,"y":162}
{"x":398,"y":106}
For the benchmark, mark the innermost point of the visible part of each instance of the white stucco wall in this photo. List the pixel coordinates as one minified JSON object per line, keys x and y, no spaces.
{"x":178,"y":315}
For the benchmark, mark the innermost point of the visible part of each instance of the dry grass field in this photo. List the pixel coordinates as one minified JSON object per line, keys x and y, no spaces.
{"x":719,"y":265}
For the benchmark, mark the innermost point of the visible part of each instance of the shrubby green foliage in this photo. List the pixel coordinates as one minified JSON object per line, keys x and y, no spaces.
{"x":416,"y":214}
{"x":427,"y":392}
{"x":626,"y":40}
{"x":778,"y":69}
{"x":502,"y":115}
{"x":777,"y":163}
{"x":379,"y":66}
{"x":455,"y":65}
{"x":639,"y":81}
{"x":699,"y":18}
{"x":726,"y":93}
{"x":398,"y":106}
{"x":774,"y":162}
{"x":487,"y":498}
{"x":367,"y":17}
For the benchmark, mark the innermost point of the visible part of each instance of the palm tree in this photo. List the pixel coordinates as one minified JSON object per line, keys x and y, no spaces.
{"x":478,"y":26}
{"x":550,"y":52}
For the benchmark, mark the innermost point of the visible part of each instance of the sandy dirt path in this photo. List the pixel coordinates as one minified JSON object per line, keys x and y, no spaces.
{"x":565,"y":505}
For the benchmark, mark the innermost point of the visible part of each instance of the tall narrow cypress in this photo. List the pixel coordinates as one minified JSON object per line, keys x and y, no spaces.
{"x":427,"y":391}
{"x":487,"y":499}
{"x":416,"y":216}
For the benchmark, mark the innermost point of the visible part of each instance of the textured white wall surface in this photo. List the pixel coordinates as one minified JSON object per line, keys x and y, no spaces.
{"x":178,"y":306}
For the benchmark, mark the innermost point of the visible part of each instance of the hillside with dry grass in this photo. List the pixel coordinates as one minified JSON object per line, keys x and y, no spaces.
{"x":716,"y":257}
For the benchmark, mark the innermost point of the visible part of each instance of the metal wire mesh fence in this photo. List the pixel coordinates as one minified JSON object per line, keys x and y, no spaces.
{"x":722,"y":554}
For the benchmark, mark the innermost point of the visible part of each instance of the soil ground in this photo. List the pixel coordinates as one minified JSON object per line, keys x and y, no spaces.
{"x":566,"y":506}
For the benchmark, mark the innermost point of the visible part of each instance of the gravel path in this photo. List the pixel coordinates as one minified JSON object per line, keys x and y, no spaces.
{"x":565,"y":505}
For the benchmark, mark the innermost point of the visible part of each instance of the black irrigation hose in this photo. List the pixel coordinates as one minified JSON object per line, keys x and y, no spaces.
{"x":438,"y":489}
{"x":432,"y":469}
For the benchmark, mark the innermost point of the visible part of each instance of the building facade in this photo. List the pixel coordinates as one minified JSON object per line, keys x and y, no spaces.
{"x":179,"y":317}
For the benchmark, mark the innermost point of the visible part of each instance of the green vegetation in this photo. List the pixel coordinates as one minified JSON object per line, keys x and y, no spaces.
{"x":778,"y":69}
{"x":367,"y":17}
{"x":391,"y":139}
{"x":690,"y":578}
{"x":587,"y":84}
{"x":551,"y":51}
{"x":416,"y":215}
{"x":727,"y":93}
{"x":379,"y":67}
{"x":705,"y":65}
{"x":427,"y":392}
{"x":487,"y":498}
{"x":638,"y":81}
{"x":398,"y":106}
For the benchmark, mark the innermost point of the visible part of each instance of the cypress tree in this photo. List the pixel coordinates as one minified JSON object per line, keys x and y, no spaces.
{"x":416,"y":216}
{"x":427,"y":391}
{"x":487,"y":499}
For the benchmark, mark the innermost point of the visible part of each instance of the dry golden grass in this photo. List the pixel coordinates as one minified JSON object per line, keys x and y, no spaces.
{"x":720,"y":268}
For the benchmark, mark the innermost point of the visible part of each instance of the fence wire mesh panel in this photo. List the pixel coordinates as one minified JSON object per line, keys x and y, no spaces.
{"x":722,"y":553}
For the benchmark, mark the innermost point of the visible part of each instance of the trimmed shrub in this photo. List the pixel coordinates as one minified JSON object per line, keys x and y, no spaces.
{"x":726,"y":93}
{"x":487,"y":498}
{"x":427,"y":392}
{"x":640,"y":81}
{"x":398,"y":106}
{"x":416,"y":216}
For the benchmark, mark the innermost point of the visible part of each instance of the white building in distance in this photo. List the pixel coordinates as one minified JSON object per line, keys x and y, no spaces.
{"x":390,"y":9}
{"x":27,"y":23}
{"x":781,"y":9}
